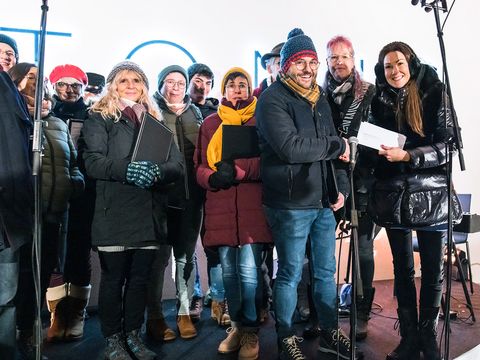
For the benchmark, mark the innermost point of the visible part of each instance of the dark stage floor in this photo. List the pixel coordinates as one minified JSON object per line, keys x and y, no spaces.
{"x":382,"y":336}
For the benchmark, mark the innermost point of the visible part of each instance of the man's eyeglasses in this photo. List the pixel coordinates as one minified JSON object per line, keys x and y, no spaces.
{"x":8,"y":53}
{"x":302,"y":64}
{"x":61,"y":85}
{"x":172,"y":83}
{"x":337,"y":58}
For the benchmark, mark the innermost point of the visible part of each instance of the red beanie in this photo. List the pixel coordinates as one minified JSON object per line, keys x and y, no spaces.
{"x":67,"y":70}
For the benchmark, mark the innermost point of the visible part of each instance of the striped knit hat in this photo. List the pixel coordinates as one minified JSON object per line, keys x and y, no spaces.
{"x":298,"y":45}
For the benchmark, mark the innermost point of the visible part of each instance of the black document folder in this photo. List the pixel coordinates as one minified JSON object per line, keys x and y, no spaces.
{"x":153,"y":142}
{"x":75,"y":127}
{"x":239,"y":142}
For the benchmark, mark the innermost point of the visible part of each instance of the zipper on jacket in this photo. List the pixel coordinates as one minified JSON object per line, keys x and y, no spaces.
{"x":182,"y":150}
{"x":54,"y":177}
{"x":290,"y":182}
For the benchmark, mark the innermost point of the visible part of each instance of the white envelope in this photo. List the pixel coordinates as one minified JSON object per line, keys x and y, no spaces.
{"x":374,"y":136}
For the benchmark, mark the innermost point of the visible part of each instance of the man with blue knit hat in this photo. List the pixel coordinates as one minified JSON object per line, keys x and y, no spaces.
{"x":299,"y":145}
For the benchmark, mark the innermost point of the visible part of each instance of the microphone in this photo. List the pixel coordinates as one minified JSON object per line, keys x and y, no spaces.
{"x":353,"y":142}
{"x":415,"y":2}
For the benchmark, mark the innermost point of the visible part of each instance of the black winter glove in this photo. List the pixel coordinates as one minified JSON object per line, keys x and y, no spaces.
{"x":224,"y":177}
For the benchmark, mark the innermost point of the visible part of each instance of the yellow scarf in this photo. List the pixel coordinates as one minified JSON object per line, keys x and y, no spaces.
{"x":228,"y":116}
{"x":311,"y":95}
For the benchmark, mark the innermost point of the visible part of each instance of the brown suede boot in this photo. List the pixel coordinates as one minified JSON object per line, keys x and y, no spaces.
{"x":158,"y":330}
{"x":78,"y":297}
{"x":185,"y":327}
{"x":57,"y":305}
{"x":219,"y":313}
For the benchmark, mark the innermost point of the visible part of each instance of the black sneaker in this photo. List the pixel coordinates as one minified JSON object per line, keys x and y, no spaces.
{"x":330,"y":339}
{"x":290,"y":349}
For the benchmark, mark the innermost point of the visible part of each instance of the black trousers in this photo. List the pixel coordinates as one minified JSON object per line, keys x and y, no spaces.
{"x":431,"y":245}
{"x":123,"y":289}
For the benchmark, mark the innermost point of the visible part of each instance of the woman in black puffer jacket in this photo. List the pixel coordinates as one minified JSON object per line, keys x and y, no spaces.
{"x":410,"y":189}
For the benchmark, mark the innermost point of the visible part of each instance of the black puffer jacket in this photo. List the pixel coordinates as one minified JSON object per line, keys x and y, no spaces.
{"x":125,"y":214}
{"x":425,"y":171}
{"x":294,"y":140}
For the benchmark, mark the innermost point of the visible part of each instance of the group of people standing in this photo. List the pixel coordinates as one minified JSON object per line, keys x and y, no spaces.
{"x":134,"y":213}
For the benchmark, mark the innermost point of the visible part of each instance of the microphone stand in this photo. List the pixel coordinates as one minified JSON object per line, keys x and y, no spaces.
{"x":457,"y":141}
{"x":36,"y":172}
{"x":357,"y":287}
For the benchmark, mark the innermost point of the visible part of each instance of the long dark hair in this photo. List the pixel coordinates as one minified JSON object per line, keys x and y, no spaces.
{"x":19,"y":71}
{"x":411,"y":113}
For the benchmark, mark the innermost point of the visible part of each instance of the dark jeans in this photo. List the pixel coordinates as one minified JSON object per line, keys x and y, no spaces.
{"x":366,"y":235}
{"x":9,"y":269}
{"x":431,"y":245}
{"x":78,"y":267}
{"x":123,"y":289}
{"x":25,"y":298}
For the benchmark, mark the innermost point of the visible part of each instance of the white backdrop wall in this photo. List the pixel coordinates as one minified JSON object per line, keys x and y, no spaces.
{"x":223,"y":34}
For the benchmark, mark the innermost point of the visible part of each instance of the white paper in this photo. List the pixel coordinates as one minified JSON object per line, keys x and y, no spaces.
{"x":374,"y":136}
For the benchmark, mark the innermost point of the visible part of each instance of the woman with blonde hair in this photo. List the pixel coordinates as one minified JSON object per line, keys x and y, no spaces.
{"x":130,"y":210}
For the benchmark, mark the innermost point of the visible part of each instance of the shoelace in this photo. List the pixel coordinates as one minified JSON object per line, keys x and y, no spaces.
{"x":195,"y":304}
{"x":224,"y":307}
{"x":292,"y":347}
{"x":339,"y":336}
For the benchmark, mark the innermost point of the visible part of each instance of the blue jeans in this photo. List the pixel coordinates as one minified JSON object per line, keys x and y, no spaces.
{"x":242,"y":274}
{"x":291,"y":229}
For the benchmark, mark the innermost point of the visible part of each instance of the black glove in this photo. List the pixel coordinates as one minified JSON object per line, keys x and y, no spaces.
{"x":224,"y":177}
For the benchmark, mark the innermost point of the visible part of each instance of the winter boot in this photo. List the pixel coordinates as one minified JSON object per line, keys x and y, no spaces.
{"x":78,"y":297}
{"x":363,"y":313}
{"x":232,"y":342}
{"x":57,"y":305}
{"x":428,"y":333}
{"x":219,"y":313}
{"x":116,"y":348}
{"x":158,"y":330}
{"x":137,"y":347}
{"x":408,"y":348}
{"x":185,"y":327}
{"x":248,"y":346}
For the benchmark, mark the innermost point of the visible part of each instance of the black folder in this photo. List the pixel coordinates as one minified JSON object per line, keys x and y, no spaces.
{"x":239,"y":142}
{"x":154,"y":141}
{"x":75,"y":127}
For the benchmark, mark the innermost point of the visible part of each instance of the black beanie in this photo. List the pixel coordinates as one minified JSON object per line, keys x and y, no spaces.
{"x":298,"y":45}
{"x":169,"y":69}
{"x":198,"y":68}
{"x":11,"y":42}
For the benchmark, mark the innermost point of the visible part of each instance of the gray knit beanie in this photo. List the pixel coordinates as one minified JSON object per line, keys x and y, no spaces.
{"x":169,"y":69}
{"x":130,"y":66}
{"x":10,"y":42}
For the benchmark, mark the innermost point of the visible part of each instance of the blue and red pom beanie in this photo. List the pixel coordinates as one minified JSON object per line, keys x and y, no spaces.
{"x":298,"y":45}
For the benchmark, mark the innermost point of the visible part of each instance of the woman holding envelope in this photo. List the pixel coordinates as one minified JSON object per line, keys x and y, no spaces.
{"x":410,"y":192}
{"x":130,"y":207}
{"x":234,"y":219}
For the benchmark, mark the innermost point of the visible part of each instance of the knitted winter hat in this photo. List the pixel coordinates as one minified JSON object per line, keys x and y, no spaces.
{"x":68,"y":71}
{"x":169,"y":69}
{"x":130,"y":66}
{"x":237,"y":70}
{"x":298,"y":45}
{"x":198,"y":68}
{"x":10,"y":42}
{"x":274,"y":53}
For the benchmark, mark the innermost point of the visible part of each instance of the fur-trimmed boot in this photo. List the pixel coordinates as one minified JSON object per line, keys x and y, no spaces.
{"x":408,"y":348}
{"x":78,"y":297}
{"x":363,"y":313}
{"x":428,"y":333}
{"x":57,"y":305}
